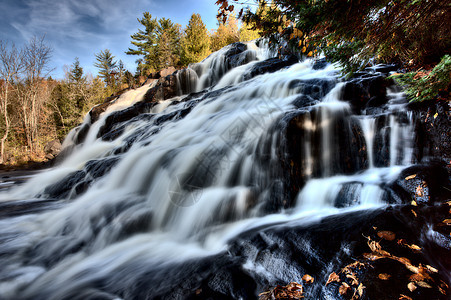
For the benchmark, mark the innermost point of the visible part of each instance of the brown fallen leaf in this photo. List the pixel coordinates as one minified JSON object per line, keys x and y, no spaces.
{"x":357,"y":264}
{"x":424,"y":284}
{"x":413,"y":269}
{"x":333,"y":277}
{"x":416,"y":277}
{"x":443,"y":287}
{"x":419,"y":191}
{"x":414,"y":213}
{"x":403,"y":260}
{"x":360,"y":289}
{"x":411,"y":286}
{"x":374,"y":246}
{"x":372,"y":256}
{"x":414,"y":247}
{"x":354,"y":280}
{"x":404,"y":297}
{"x":307,"y":278}
{"x":401,"y":242}
{"x":344,"y":287}
{"x":384,"y":276}
{"x":386,"y":235}
{"x":424,"y":273}
{"x":447,"y":221}
{"x":431,"y":269}
{"x":411,"y":177}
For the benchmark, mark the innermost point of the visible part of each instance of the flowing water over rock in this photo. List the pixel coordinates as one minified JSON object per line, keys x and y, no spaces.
{"x":219,"y":181}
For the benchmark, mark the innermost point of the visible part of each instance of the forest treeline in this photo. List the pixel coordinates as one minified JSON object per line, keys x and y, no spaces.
{"x":36,"y":109}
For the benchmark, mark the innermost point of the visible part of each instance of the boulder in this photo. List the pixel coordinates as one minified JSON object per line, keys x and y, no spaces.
{"x":366,"y":91}
{"x":52,"y":148}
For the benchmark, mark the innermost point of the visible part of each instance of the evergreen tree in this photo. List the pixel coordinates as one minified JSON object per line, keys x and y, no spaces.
{"x":158,"y":43}
{"x":168,"y":44}
{"x":76,"y":72}
{"x":145,"y":42}
{"x":196,"y":42}
{"x":107,"y":66}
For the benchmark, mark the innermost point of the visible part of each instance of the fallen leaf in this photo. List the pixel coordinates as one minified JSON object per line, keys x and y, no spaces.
{"x":414,"y":247}
{"x":372,"y":256}
{"x":384,"y":276}
{"x":424,"y":284}
{"x":413,"y":269}
{"x":401,"y":242}
{"x":353,"y":278}
{"x":431,"y":269}
{"x":416,"y":277}
{"x":419,"y":191}
{"x":413,"y":203}
{"x":411,"y":177}
{"x":443,"y":287}
{"x":411,"y":286}
{"x":332,"y":278}
{"x":344,"y":287}
{"x":357,"y":264}
{"x":414,"y":213}
{"x":384,"y":253}
{"x":307,"y":278}
{"x":360,"y":289}
{"x":447,"y":221}
{"x":403,"y":260}
{"x":404,"y":297}
{"x":386,"y":235}
{"x":374,"y":246}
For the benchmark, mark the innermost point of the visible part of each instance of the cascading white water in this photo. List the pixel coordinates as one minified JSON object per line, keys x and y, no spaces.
{"x":191,"y":185}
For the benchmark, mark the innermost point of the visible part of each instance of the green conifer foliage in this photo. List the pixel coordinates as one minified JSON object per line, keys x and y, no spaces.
{"x":107,"y":66}
{"x":158,"y":44}
{"x":196,"y":42}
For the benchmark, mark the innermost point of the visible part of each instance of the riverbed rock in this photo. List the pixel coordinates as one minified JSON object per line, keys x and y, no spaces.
{"x":52,"y":148}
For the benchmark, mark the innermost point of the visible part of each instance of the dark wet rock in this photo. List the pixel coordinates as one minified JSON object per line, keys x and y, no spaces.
{"x":304,"y":101}
{"x":313,"y":88}
{"x":383,"y":68}
{"x":303,"y":126}
{"x":118,"y":117}
{"x":78,"y":182}
{"x":425,"y":184}
{"x":368,"y":90}
{"x":320,"y":64}
{"x":432,"y":128}
{"x":270,"y":65}
{"x":320,"y":248}
{"x":166,"y":88}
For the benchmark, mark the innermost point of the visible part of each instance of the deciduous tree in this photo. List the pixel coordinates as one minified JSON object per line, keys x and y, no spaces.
{"x":11,"y":65}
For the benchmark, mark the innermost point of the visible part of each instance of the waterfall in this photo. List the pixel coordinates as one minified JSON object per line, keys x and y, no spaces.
{"x":186,"y":176}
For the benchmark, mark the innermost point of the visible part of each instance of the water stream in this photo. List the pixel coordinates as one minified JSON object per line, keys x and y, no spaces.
{"x":184,"y":178}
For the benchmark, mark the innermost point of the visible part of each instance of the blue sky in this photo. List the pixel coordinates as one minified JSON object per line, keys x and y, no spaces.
{"x":81,"y":28}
